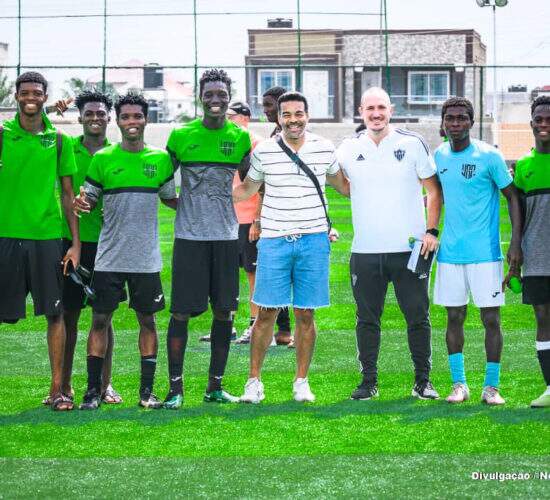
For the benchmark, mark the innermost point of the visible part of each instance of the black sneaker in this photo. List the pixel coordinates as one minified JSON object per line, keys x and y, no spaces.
{"x":148,"y":400}
{"x":424,"y":390}
{"x":365,"y":390}
{"x":91,"y":400}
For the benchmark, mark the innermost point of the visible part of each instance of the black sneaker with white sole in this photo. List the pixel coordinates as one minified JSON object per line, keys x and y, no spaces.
{"x":424,"y":390}
{"x":148,"y":400}
{"x":365,"y":390}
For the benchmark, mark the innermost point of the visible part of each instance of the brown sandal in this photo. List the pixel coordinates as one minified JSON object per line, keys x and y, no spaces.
{"x":62,"y":402}
{"x":111,"y":397}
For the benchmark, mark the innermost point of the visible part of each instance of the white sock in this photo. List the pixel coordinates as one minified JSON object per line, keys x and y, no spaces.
{"x":542,"y":345}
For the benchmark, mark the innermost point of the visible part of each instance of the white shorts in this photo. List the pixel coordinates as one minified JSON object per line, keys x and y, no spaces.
{"x":454,"y":283}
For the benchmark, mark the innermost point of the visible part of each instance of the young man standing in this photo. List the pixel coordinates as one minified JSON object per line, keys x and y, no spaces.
{"x":205,"y":266}
{"x":388,"y":167}
{"x":532,"y":178}
{"x":34,"y":156}
{"x":294,"y":248}
{"x":130,"y":177}
{"x":472,"y":174}
{"x":94,"y":109}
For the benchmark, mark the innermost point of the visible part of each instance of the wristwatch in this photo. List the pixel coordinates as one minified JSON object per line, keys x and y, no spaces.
{"x":433,"y":231}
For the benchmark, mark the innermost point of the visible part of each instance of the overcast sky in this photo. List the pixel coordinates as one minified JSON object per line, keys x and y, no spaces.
{"x":523,"y":36}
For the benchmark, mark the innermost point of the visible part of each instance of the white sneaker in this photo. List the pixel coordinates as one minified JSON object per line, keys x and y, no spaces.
{"x":301,"y":391}
{"x":245,"y":337}
{"x":253,"y":391}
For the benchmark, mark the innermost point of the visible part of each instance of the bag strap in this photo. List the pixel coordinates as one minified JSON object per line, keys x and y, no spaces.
{"x":298,"y":161}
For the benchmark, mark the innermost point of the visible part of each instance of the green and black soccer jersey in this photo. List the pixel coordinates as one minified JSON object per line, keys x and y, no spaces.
{"x":208,"y":159}
{"x":29,"y":181}
{"x":89,"y":225}
{"x":532,"y":177}
{"x":130,"y":184}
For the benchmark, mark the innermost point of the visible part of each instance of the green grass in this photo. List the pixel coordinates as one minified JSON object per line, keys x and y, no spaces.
{"x":332,"y":448}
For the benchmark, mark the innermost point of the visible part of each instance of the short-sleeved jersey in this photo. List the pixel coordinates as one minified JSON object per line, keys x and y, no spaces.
{"x":29,"y":181}
{"x":386,"y":189}
{"x":89,"y":225}
{"x":532,"y":178}
{"x":471,"y":182}
{"x":130,"y":184}
{"x":291,"y":204}
{"x":208,"y":159}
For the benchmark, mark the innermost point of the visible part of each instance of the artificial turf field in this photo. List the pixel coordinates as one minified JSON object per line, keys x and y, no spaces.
{"x":393,"y":446}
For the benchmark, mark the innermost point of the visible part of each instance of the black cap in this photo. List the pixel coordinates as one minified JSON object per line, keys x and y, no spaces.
{"x":240,"y":108}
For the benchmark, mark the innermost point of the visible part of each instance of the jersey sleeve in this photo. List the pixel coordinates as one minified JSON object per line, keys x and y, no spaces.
{"x":425,"y":165}
{"x":171,"y":147}
{"x":341,"y":157}
{"x":167,"y":189}
{"x":93,"y":184}
{"x":256,"y":172}
{"x":499,"y":171}
{"x":67,"y":162}
{"x":519,"y":180}
{"x":333,"y":168}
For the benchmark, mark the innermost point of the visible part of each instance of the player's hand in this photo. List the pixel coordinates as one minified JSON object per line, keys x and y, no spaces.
{"x":333,"y":235}
{"x":72,"y":256}
{"x":81,"y":204}
{"x":429,"y":244}
{"x":514,"y":257}
{"x":60,"y":106}
{"x":254,"y":232}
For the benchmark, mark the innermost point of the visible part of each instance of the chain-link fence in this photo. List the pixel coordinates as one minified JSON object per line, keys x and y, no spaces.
{"x":331,"y":54}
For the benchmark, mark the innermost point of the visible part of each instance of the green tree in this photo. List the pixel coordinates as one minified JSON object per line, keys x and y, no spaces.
{"x":6,"y":90}
{"x":77,"y":85}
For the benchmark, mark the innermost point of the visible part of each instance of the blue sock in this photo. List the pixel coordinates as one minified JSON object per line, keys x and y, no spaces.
{"x":492,"y":374}
{"x":456,"y":364}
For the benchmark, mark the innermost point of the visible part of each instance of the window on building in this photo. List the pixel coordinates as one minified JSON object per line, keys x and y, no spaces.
{"x":268,"y":78}
{"x":428,"y":87}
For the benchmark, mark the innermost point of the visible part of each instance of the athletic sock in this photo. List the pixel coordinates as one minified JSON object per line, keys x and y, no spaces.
{"x":95,"y":368}
{"x":148,"y":367}
{"x":456,"y":365}
{"x":176,"y":343}
{"x":252,"y":319}
{"x":543,"y":353}
{"x":492,"y":374}
{"x":220,"y":341}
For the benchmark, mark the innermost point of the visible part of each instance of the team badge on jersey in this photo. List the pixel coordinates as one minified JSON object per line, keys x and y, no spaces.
{"x":227,"y":148}
{"x":149,"y":170}
{"x":47,"y":141}
{"x":399,"y":154}
{"x":468,"y":170}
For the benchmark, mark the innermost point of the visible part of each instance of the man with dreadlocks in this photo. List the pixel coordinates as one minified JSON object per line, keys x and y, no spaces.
{"x":205,"y":266}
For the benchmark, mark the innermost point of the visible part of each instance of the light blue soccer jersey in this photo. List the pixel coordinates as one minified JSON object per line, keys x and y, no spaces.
{"x":471,"y":181}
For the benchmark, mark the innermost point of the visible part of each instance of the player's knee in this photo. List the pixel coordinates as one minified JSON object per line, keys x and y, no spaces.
{"x":304,"y":316}
{"x":100,"y":321}
{"x":147,"y":321}
{"x":491,"y":321}
{"x":222,"y":315}
{"x":456,"y":316}
{"x":54,"y":319}
{"x":180,"y":317}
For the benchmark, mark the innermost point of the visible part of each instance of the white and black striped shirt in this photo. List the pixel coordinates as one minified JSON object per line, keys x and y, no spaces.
{"x":291,"y":203}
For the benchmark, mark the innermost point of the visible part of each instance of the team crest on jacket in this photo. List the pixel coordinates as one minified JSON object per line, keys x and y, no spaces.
{"x":227,"y":148}
{"x":468,"y":170}
{"x":47,"y":141}
{"x":399,"y":154}
{"x":149,"y":170}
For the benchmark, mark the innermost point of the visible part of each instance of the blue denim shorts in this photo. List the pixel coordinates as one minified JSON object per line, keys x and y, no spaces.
{"x":293,"y":271}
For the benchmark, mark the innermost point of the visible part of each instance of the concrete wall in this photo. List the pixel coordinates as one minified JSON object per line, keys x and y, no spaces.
{"x":281,"y":43}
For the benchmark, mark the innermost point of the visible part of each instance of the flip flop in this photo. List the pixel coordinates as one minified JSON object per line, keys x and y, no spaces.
{"x":111,"y":397}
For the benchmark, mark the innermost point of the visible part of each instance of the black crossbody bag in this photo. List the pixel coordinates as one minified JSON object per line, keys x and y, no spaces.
{"x":296,"y":159}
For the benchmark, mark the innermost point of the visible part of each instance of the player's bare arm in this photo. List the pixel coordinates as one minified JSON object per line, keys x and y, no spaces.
{"x":340,"y":183}
{"x":245,"y":190}
{"x":73,"y":254}
{"x":514,"y":255}
{"x":170,"y":203}
{"x":434,"y":202}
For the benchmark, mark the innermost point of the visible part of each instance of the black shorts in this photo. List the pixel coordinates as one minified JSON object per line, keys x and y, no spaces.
{"x":248,"y":253}
{"x":536,"y":290}
{"x":203,"y":270}
{"x":30,"y":266}
{"x":145,"y":290}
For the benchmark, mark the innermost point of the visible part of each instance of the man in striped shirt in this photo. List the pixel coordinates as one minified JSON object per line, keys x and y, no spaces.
{"x":294,"y":248}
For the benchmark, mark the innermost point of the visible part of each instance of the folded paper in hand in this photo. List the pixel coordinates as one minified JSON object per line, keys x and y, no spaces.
{"x":417,"y":263}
